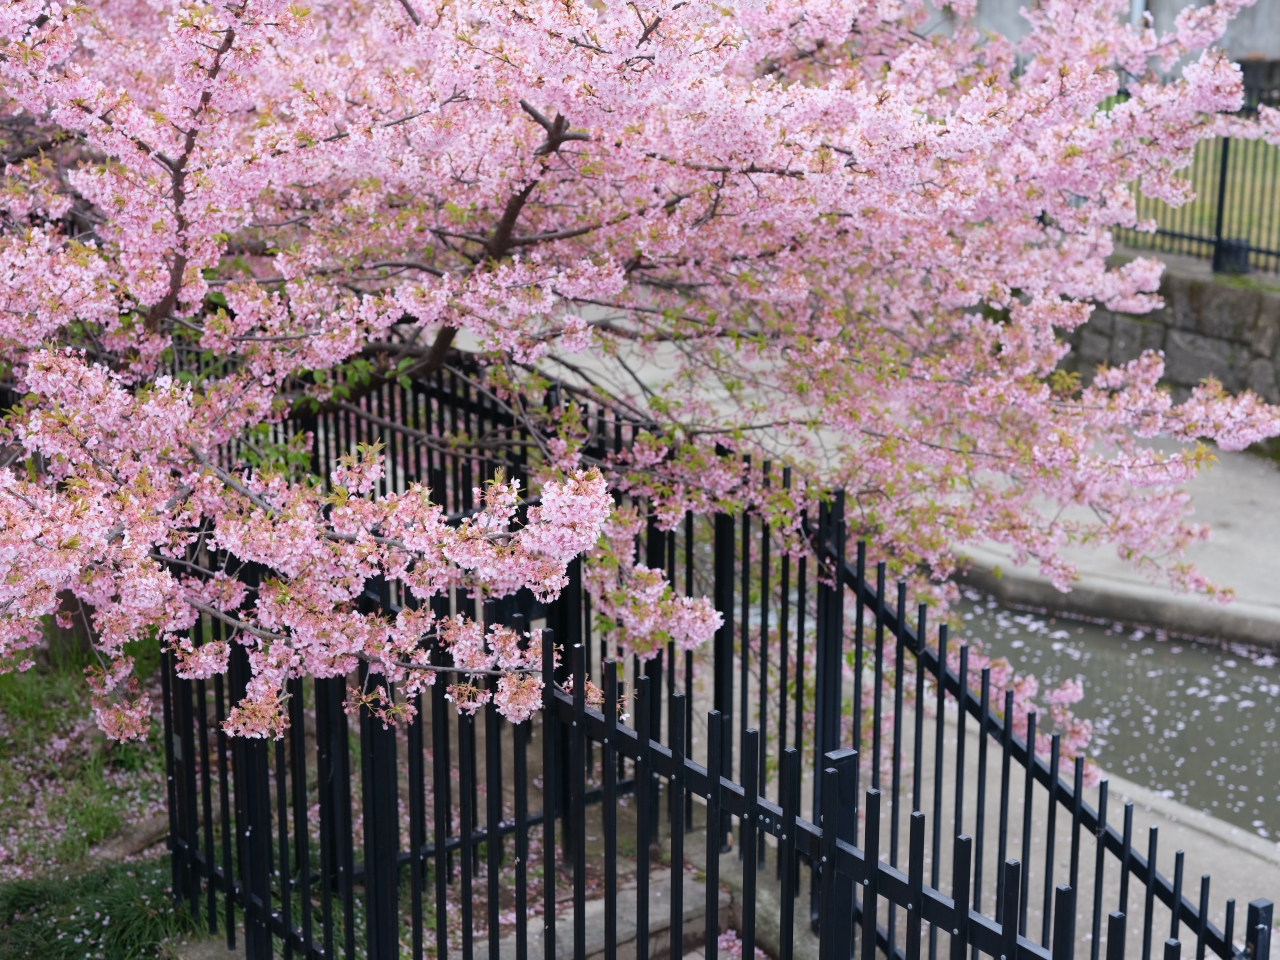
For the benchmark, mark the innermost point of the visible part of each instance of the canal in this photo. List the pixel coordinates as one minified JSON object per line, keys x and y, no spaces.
{"x":1193,"y":720}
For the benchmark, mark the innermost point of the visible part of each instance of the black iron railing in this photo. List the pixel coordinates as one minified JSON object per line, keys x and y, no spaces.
{"x":1234,"y":220}
{"x":456,"y":833}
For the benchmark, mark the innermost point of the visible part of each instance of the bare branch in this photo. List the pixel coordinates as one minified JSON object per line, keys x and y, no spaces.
{"x":432,"y":360}
{"x":551,"y":235}
{"x":413,"y":14}
{"x":557,"y":130}
{"x":498,"y":244}
{"x":647,"y":27}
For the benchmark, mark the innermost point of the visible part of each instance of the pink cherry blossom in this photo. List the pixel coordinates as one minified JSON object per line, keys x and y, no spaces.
{"x":810,"y":233}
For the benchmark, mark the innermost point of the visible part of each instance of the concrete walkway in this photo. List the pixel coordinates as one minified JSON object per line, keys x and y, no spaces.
{"x":1239,"y":498}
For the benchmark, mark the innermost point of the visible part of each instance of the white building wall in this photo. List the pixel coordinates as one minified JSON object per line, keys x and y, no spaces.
{"x":1253,"y":35}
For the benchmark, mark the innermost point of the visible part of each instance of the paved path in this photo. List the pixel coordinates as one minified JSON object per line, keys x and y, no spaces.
{"x":1239,"y":497}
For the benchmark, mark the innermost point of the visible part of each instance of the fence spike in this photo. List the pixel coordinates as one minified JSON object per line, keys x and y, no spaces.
{"x":1028,"y":799}
{"x":550,"y":777}
{"x":1115,"y":936}
{"x":1098,"y":868}
{"x":1050,"y":834}
{"x":609,"y":790}
{"x":1258,"y":930}
{"x":1202,"y":917}
{"x":871,"y":875}
{"x":577,"y":830}
{"x":643,"y":778}
{"x":960,"y":862}
{"x":1009,"y":929}
{"x":1176,"y":910}
{"x":677,"y":781}
{"x":1148,"y":914}
{"x":749,"y":833}
{"x":1064,"y":923}
{"x":845,"y":763}
{"x":787,"y":850}
{"x":715,"y":834}
{"x":827,"y":864}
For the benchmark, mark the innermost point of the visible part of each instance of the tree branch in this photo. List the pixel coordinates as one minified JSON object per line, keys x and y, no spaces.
{"x":499,"y":241}
{"x":557,"y":130}
{"x":432,"y":360}
{"x":413,"y":14}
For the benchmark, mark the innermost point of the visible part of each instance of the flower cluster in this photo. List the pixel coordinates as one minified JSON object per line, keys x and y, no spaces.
{"x":1074,"y":732}
{"x":636,"y":607}
{"x":815,"y":232}
{"x":125,"y":489}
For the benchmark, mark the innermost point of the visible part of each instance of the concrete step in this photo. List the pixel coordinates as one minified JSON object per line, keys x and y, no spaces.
{"x":694,"y":924}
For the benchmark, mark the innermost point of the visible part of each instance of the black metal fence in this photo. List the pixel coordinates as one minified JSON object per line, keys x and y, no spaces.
{"x":1234,"y":220}
{"x":459,"y":834}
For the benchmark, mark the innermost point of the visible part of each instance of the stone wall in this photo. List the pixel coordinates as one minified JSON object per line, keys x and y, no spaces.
{"x":1206,"y":328}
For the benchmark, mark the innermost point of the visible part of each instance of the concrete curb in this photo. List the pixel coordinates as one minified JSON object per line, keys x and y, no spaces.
{"x":1132,"y":603}
{"x":1198,"y":820}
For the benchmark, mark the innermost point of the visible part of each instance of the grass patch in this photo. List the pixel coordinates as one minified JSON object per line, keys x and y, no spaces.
{"x":64,"y":788}
{"x":119,"y":912}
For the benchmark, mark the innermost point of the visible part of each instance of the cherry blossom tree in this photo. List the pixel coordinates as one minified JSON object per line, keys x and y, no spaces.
{"x":842,"y":234}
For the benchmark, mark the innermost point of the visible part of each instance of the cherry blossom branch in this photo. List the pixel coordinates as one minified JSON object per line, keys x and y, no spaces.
{"x":264,"y":634}
{"x":413,"y":14}
{"x":432,"y":668}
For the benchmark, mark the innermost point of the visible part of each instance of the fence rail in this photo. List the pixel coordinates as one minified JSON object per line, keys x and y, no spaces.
{"x":473,"y":833}
{"x":1234,"y":220}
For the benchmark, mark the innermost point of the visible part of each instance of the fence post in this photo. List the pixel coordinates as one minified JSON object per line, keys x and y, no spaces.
{"x":564,"y":617}
{"x":828,"y":675}
{"x":790,"y":773}
{"x":1064,"y":923}
{"x":166,"y":704}
{"x":381,"y":832}
{"x":185,"y":769}
{"x":1009,"y":914}
{"x":871,"y":879}
{"x":180,"y":753}
{"x":1257,"y":934}
{"x":551,"y":737}
{"x":1115,"y":936}
{"x":380,"y":799}
{"x":845,"y":763}
{"x":828,"y":913}
{"x":333,"y":763}
{"x":1229,"y":255}
{"x":253,"y":820}
{"x":723,"y":569}
{"x":656,"y":559}
{"x":715,"y":835}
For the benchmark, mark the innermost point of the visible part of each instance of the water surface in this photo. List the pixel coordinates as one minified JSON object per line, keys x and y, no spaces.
{"x":1190,"y":719}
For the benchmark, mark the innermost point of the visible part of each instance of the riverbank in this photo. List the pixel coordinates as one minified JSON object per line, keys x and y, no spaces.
{"x":1241,"y":866}
{"x":1239,"y":498}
